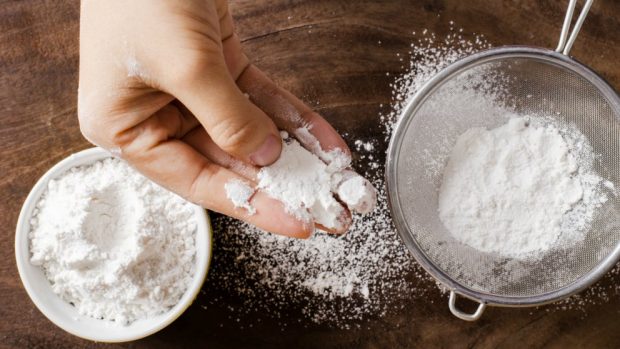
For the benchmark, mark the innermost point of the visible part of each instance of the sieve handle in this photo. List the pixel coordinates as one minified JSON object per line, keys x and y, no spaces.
{"x":464,"y":316}
{"x":565,"y":45}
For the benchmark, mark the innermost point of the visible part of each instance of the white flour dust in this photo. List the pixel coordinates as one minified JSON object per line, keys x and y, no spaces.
{"x":112,"y":243}
{"x":429,"y":55}
{"x":328,"y":278}
{"x":509,"y":190}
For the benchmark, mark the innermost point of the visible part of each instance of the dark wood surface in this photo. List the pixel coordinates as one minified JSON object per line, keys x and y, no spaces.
{"x":328,"y":53}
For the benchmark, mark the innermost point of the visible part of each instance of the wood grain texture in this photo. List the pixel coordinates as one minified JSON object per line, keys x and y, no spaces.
{"x":335,"y":55}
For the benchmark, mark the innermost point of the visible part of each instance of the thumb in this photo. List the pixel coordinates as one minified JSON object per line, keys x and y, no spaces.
{"x":234,"y":123}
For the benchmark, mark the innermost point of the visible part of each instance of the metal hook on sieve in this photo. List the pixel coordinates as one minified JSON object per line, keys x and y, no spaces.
{"x":564,"y":46}
{"x":464,"y":316}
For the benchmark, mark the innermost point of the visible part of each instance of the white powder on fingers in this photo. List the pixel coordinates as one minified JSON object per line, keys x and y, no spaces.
{"x":112,"y":243}
{"x":302,"y":182}
{"x":355,"y":191}
{"x":306,"y":180}
{"x":240,"y":193}
{"x":336,"y":159}
{"x":510,"y":190}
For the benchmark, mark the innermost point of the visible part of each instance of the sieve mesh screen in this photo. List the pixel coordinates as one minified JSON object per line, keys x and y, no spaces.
{"x":525,"y":85}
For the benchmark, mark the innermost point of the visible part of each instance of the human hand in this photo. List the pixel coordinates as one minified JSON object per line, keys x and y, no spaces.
{"x":166,"y":86}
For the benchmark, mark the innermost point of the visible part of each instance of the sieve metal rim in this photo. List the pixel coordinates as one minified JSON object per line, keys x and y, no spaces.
{"x":395,"y":205}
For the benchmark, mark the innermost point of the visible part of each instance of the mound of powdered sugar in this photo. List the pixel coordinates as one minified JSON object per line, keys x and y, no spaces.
{"x":509,"y":190}
{"x":112,"y":243}
{"x":429,"y":55}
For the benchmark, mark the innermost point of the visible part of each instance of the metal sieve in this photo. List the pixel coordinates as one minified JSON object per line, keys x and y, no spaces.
{"x":526,"y":80}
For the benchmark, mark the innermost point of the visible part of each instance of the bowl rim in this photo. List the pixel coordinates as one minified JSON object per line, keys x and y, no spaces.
{"x":203,"y":259}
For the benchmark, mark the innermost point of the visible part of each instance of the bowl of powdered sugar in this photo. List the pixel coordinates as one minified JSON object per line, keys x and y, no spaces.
{"x":105,"y":253}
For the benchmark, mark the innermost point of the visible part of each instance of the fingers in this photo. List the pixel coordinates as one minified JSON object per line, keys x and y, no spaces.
{"x":235,"y":124}
{"x":203,"y":183}
{"x":314,"y":132}
{"x":174,"y":164}
{"x":199,"y":139}
{"x":288,"y":112}
{"x":308,"y":127}
{"x":209,"y":91}
{"x":341,"y":229}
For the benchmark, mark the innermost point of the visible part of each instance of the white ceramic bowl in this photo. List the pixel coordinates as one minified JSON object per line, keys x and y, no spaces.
{"x":65,"y":315}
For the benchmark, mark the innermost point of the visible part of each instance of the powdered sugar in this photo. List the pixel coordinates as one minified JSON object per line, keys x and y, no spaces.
{"x":330,"y":279}
{"x":509,"y":190}
{"x":429,"y":55}
{"x":335,"y":159}
{"x":452,"y":108}
{"x":240,"y":193}
{"x":305,"y":181}
{"x":112,"y":243}
{"x":302,"y":182}
{"x":355,"y":191}
{"x":367,"y":146}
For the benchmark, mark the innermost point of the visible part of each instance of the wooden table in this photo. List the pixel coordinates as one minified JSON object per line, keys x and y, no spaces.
{"x":327,"y":52}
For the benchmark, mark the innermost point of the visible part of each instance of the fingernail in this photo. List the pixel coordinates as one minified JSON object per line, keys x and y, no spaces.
{"x":268,"y":152}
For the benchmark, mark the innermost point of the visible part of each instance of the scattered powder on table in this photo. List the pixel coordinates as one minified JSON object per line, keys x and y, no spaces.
{"x":367,"y":146}
{"x":429,"y":55}
{"x":112,"y":243}
{"x":330,"y":279}
{"x":509,"y":190}
{"x":335,"y":280}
